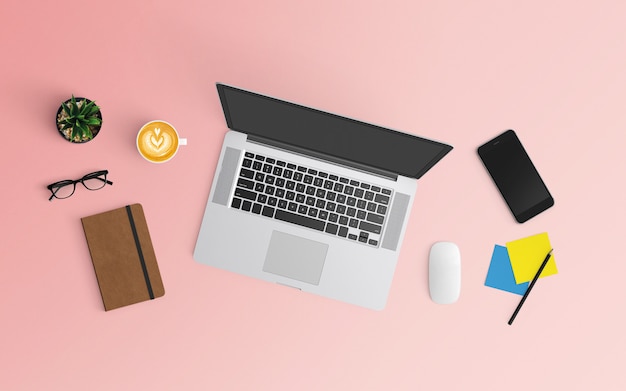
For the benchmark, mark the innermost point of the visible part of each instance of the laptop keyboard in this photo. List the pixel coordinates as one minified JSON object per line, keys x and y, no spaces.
{"x":307,"y":197}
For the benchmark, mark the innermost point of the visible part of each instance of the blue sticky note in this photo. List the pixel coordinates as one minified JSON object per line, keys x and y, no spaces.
{"x":500,"y":274}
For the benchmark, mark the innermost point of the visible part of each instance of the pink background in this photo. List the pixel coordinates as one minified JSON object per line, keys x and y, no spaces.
{"x":459,"y":72}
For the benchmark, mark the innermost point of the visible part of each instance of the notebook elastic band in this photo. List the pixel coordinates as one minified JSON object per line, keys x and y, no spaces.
{"x":141,"y":258}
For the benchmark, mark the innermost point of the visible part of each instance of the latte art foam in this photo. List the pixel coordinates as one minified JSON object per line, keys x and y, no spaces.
{"x":157,"y":141}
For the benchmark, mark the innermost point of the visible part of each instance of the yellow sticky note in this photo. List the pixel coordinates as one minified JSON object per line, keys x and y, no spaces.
{"x":527,"y":255}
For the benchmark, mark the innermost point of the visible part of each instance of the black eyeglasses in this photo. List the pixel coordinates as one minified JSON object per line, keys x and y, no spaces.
{"x":64,"y":189}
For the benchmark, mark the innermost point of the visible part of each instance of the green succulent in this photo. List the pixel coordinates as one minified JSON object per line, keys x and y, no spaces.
{"x":79,"y":118}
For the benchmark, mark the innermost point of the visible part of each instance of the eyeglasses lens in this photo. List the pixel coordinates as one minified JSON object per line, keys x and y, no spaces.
{"x":95,"y":182}
{"x":64,"y":191}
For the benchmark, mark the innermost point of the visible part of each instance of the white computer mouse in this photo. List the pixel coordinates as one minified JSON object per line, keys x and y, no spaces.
{"x":444,"y":272}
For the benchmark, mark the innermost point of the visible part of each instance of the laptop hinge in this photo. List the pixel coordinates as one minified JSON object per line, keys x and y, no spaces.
{"x":323,"y":157}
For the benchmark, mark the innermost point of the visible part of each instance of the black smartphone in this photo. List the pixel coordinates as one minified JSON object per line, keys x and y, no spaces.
{"x":515,"y":176}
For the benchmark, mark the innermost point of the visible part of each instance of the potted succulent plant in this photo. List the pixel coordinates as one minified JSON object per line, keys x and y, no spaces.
{"x":79,"y":120}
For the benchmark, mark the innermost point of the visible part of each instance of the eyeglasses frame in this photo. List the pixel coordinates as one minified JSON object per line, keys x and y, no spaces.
{"x":69,"y":182}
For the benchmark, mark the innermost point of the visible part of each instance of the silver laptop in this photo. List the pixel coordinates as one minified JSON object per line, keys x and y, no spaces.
{"x":311,"y":200}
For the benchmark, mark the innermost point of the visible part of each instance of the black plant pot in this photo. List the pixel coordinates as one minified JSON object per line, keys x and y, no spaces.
{"x":66,"y":133}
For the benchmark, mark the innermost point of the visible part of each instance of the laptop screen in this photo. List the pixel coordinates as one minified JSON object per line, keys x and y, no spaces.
{"x":329,"y":134}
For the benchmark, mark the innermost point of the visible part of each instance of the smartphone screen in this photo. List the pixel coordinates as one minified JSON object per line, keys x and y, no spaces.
{"x":515,"y":176}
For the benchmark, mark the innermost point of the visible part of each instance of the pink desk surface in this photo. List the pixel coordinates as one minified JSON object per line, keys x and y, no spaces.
{"x":460,"y":73}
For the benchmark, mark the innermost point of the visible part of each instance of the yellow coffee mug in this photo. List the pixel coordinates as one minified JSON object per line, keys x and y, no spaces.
{"x":158,"y":141}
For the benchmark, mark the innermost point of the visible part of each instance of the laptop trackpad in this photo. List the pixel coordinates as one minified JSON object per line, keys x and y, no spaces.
{"x":295,"y":257}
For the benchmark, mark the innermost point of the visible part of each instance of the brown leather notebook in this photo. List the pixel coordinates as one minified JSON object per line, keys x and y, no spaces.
{"x":123,"y":256}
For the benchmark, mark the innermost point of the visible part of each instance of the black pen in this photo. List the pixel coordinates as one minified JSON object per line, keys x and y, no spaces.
{"x":532,"y":283}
